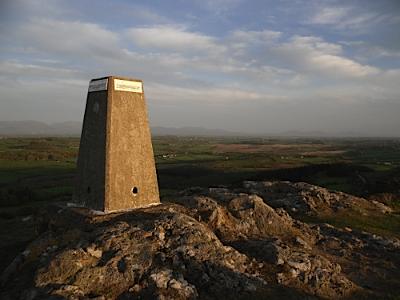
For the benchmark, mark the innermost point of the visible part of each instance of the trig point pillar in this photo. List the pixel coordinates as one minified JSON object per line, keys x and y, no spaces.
{"x":116,"y":168}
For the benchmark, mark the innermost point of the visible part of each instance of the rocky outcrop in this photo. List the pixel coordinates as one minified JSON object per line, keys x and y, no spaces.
{"x":303,"y":198}
{"x":209,"y":244}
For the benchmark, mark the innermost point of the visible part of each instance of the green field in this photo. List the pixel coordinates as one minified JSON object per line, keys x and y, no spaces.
{"x":35,"y":172}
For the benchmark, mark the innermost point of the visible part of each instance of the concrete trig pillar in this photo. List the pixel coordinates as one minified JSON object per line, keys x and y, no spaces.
{"x":116,"y":168}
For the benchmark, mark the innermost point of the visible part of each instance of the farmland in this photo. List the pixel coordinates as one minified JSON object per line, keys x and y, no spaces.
{"x":35,"y":172}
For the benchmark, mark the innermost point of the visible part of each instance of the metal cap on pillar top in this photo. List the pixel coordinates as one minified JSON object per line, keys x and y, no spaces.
{"x":116,"y":168}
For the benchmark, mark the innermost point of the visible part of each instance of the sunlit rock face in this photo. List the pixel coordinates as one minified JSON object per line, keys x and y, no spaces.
{"x":208,"y":244}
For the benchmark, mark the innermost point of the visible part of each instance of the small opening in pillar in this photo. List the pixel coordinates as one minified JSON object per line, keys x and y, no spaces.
{"x":135,"y":191}
{"x":88,"y":190}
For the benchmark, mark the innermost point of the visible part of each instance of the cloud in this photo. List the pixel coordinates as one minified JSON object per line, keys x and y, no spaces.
{"x":142,"y":13}
{"x":173,"y":38}
{"x":314,"y":55}
{"x":181,"y":67}
{"x":219,"y":7}
{"x":14,"y":69}
{"x":69,"y":38}
{"x":241,"y":39}
{"x":313,"y":43}
{"x":366,"y":51}
{"x":203,"y":57}
{"x":191,"y":58}
{"x":208,"y":70}
{"x":240,"y":56}
{"x":208,"y":94}
{"x":341,"y":66}
{"x":349,"y":17}
{"x":330,"y":15}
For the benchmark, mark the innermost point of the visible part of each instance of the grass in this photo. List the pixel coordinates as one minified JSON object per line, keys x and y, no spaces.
{"x":199,"y":161}
{"x":41,"y":170}
{"x":386,"y":225}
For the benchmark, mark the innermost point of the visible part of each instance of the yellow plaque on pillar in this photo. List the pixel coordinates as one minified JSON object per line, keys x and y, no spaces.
{"x":128,"y":86}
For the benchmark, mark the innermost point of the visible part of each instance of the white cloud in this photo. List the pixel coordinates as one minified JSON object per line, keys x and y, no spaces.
{"x":252,"y":78}
{"x":176,"y":50}
{"x":141,"y":13}
{"x":219,"y":7}
{"x":186,"y":68}
{"x":255,"y":36}
{"x":183,"y":57}
{"x":68,"y":38}
{"x":242,"y":40}
{"x":341,"y":66}
{"x":315,"y":56}
{"x":313,"y":43}
{"x":16,"y":69}
{"x":330,"y":15}
{"x":348,"y":17}
{"x":173,"y":38}
{"x":207,"y":94}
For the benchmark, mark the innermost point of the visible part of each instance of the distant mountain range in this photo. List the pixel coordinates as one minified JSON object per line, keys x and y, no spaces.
{"x":36,"y":128}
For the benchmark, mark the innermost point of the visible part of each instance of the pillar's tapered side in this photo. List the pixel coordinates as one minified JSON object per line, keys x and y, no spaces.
{"x":116,"y":167}
{"x":90,"y":182}
{"x":131,"y":179}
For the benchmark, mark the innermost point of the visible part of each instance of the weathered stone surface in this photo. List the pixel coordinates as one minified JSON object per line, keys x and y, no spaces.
{"x":303,"y":198}
{"x":209,"y":244}
{"x":116,"y":168}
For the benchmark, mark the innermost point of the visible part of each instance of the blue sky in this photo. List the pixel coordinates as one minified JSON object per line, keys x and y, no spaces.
{"x":248,"y":66}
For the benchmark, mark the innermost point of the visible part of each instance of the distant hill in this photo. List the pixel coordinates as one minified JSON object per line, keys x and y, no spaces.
{"x":67,"y":128}
{"x":193,"y":131}
{"x":299,"y":133}
{"x":36,"y":128}
{"x":71,"y":128}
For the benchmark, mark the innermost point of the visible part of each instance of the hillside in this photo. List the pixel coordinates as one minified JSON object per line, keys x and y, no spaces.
{"x":248,"y":242}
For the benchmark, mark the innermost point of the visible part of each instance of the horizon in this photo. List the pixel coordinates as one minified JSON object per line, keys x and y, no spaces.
{"x":254,"y":67}
{"x":185,"y":131}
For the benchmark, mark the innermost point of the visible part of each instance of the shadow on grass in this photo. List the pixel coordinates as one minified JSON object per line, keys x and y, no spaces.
{"x":359,"y":180}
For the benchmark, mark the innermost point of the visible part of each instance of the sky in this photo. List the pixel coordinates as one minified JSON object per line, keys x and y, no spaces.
{"x":262,"y":66}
